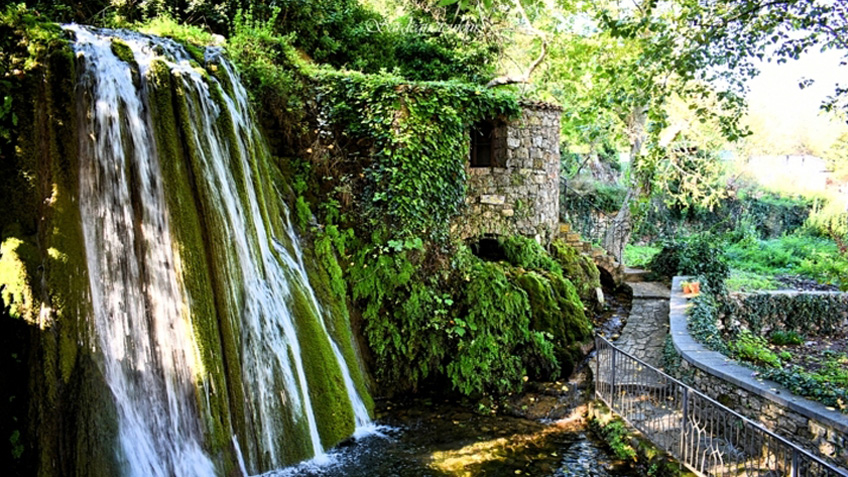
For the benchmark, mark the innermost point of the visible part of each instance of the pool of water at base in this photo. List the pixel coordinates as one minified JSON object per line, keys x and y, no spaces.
{"x":422,"y":437}
{"x":541,"y":432}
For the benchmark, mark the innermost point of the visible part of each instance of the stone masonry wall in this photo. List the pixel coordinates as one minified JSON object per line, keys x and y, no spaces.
{"x":819,"y":429}
{"x":818,"y":436}
{"x":523,"y":197}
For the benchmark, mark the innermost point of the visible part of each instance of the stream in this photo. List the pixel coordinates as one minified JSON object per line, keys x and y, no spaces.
{"x":541,"y":432}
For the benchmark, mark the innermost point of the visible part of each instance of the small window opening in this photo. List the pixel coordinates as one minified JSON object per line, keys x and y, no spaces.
{"x":482,"y":135}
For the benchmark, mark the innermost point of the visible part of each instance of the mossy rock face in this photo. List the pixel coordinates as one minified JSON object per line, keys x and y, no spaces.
{"x":326,"y":277}
{"x":71,"y":422}
{"x":189,"y":237}
{"x":556,"y":309}
{"x":579,"y":268}
{"x":327,"y":389}
{"x":18,"y":260}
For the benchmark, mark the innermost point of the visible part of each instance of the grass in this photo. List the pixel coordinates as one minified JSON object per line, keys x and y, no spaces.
{"x":796,"y":254}
{"x":639,"y":255}
{"x":741,"y":280}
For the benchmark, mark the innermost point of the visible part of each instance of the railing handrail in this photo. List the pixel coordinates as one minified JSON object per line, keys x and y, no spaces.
{"x":796,"y":449}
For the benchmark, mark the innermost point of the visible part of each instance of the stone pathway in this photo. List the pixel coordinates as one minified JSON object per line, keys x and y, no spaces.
{"x":647,"y":326}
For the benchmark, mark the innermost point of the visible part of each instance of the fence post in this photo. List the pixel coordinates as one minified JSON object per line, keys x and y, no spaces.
{"x":794,"y":471}
{"x":683,"y":424}
{"x":598,"y":367}
{"x":614,"y":352}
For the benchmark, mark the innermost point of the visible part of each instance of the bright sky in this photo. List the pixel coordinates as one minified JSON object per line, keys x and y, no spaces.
{"x":776,"y":95}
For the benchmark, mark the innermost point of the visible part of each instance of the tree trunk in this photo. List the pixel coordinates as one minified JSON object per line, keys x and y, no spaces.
{"x":618,"y":233}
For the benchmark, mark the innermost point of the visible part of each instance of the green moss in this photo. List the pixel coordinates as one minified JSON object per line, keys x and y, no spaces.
{"x":190,"y":238}
{"x":196,"y":52}
{"x":327,"y":279}
{"x":579,"y":268}
{"x":15,"y":286}
{"x":94,"y":422}
{"x":556,"y":309}
{"x":526,"y":253}
{"x":327,"y":389}
{"x":123,"y":52}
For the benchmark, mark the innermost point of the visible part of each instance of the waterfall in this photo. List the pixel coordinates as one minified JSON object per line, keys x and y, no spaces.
{"x":143,"y":314}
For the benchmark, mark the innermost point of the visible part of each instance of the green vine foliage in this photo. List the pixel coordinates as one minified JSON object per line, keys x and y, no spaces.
{"x":500,"y":343}
{"x":483,"y":326}
{"x":703,"y":320}
{"x":812,"y":314}
{"x":812,"y":385}
{"x":415,"y":181}
{"x":828,"y":385}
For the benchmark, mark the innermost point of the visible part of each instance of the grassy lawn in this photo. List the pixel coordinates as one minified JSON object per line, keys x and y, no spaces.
{"x":796,"y":260}
{"x":638,"y":256}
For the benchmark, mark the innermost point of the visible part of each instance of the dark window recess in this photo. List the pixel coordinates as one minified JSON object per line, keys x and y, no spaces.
{"x":488,"y":248}
{"x":482,"y":135}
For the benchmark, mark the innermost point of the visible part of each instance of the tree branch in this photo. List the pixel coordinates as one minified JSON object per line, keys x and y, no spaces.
{"x":525,"y":77}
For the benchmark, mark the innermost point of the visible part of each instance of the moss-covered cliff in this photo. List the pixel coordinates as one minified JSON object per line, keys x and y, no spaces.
{"x":70,"y":423}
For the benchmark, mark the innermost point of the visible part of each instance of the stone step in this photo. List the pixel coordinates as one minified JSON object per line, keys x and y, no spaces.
{"x":597,"y":251}
{"x":635,"y":275}
{"x":573,"y":237}
{"x":564,"y":228}
{"x":650,"y":290}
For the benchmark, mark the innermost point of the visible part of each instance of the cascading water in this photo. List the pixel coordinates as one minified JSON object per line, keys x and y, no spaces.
{"x":139,"y":305}
{"x":142,"y":310}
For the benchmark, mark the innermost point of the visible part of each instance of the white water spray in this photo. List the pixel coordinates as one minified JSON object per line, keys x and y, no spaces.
{"x":142,"y":311}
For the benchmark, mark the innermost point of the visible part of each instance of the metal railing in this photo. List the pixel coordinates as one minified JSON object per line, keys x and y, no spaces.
{"x":706,"y":436}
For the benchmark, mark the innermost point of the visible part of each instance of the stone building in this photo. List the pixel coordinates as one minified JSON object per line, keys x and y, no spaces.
{"x":513,"y":176}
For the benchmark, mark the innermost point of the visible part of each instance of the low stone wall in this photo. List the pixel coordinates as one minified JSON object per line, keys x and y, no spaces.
{"x":808,"y":313}
{"x":809,"y":424}
{"x":522,"y":197}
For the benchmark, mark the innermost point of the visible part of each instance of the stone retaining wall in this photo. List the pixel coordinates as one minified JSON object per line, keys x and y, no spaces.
{"x":809,"y":313}
{"x":522,"y":197}
{"x":807,"y":423}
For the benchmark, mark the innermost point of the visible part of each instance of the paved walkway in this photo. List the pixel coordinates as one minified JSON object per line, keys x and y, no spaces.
{"x":647,"y":326}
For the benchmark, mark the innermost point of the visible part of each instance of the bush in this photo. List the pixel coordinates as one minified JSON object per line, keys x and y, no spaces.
{"x":780,"y":338}
{"x":700,"y":254}
{"x":616,"y":435}
{"x":755,"y":349}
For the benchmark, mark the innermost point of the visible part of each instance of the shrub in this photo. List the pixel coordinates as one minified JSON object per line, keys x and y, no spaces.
{"x":781,"y":337}
{"x":617,"y":437}
{"x":754,"y":348}
{"x":700,"y":254}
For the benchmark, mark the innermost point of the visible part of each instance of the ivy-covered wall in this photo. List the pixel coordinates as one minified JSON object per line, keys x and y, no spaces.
{"x":809,"y":313}
{"x":522,"y":197}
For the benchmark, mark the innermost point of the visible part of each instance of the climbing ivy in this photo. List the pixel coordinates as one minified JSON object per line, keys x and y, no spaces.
{"x":703,"y":320}
{"x":417,"y":132}
{"x":813,"y":314}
